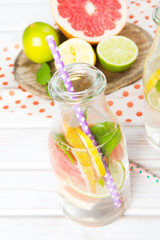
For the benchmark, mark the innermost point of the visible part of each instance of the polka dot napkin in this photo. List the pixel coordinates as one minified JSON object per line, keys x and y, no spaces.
{"x":126,"y":103}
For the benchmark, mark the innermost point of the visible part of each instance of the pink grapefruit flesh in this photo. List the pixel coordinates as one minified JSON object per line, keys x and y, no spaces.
{"x":91,"y":20}
{"x":62,"y":165}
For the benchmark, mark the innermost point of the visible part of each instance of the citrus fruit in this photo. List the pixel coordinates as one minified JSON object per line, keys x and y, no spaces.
{"x":117,"y":53}
{"x":118,"y":173}
{"x":94,"y":155}
{"x":152,"y":81}
{"x":77,"y":50}
{"x":62,"y":164}
{"x":153,"y":99}
{"x":34,"y":42}
{"x":82,"y":156}
{"x":90,"y":20}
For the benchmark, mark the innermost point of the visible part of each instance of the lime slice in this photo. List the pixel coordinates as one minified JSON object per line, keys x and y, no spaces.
{"x":153,"y":99}
{"x":118,"y":173}
{"x":157,"y":86}
{"x":152,"y":81}
{"x":116,"y":54}
{"x":77,"y":50}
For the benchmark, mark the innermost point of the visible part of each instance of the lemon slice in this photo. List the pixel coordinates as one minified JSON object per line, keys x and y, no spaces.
{"x":93,"y":152}
{"x":83,"y":159}
{"x":77,"y":50}
{"x":152,"y":81}
{"x":118,"y":173}
{"x":153,"y":99}
{"x":117,"y":53}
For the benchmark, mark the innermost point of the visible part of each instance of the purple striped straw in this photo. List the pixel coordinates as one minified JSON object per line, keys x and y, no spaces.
{"x":81,"y":118}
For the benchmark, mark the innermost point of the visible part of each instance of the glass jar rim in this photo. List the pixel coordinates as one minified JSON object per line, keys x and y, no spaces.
{"x":74,"y":98}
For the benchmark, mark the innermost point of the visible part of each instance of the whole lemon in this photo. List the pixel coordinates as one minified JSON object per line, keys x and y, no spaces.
{"x":34,"y":42}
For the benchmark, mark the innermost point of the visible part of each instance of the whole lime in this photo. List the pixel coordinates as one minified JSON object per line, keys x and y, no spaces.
{"x":34,"y":42}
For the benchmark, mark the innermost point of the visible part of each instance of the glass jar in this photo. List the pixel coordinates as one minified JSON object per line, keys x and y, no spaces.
{"x":76,"y":161}
{"x":151,"y":82}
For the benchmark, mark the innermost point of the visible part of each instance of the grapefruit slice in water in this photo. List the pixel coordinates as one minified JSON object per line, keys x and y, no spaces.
{"x":91,"y":20}
{"x":62,"y":165}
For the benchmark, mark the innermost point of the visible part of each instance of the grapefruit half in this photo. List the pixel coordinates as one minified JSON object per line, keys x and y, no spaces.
{"x":91,"y":20}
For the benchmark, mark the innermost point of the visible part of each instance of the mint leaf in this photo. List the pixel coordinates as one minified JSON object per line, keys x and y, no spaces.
{"x":107,"y":134}
{"x":157,"y":86}
{"x":43,"y":74}
{"x":60,"y":139}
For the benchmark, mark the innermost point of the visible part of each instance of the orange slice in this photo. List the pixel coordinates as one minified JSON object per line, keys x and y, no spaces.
{"x":82,"y":156}
{"x":93,"y":152}
{"x":152,"y":81}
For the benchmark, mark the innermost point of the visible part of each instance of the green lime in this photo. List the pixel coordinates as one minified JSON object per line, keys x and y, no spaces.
{"x":157,"y":86}
{"x":118,"y":174}
{"x":117,"y":53}
{"x":153,"y":99}
{"x":34,"y":41}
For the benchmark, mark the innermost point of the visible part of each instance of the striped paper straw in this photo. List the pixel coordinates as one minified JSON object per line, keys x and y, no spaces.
{"x":144,"y":173}
{"x":81,"y":118}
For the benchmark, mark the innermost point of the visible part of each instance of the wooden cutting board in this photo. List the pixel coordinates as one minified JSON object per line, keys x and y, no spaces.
{"x":25,"y":70}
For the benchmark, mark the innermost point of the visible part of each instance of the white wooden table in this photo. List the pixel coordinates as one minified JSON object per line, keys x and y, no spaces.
{"x":29,"y":205}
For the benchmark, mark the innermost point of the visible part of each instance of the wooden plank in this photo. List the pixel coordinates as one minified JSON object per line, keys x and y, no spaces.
{"x":50,"y":228}
{"x":27,"y":148}
{"x":29,"y":193}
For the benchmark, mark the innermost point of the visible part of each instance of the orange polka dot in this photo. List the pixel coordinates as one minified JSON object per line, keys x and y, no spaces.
{"x":12,"y":72}
{"x":5,"y":83}
{"x":1,"y":98}
{"x":132,"y":2}
{"x":48,"y":116}
{"x":23,"y":90}
{"x":52,"y":103}
{"x":110,"y":103}
{"x":11,"y":65}
{"x":137,"y":86}
{"x":125,"y":94}
{"x":139,"y":114}
{"x":16,"y":46}
{"x":140,"y":97}
{"x":29,"y":113}
{"x":8,"y":58}
{"x":5,"y":49}
{"x":146,"y":17}
{"x":29,"y":96}
{"x":0,"y":68}
{"x":138,"y":4}
{"x":5,"y":107}
{"x":2,"y":75}
{"x":11,"y":93}
{"x":41,"y":110}
{"x":136,"y":21}
{"x":130,"y":104}
{"x":128,"y":120}
{"x":131,"y":16}
{"x":35,"y":102}
{"x":119,"y":113}
{"x":17,"y":101}
{"x":23,"y":106}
